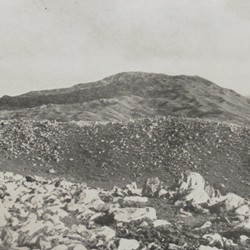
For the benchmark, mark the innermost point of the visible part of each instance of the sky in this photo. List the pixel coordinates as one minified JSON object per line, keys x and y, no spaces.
{"x":47,"y":44}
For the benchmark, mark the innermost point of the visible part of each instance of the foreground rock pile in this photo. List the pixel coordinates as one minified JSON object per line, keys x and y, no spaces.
{"x":55,"y":214}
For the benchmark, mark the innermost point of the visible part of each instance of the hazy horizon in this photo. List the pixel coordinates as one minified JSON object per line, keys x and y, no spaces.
{"x":57,"y":44}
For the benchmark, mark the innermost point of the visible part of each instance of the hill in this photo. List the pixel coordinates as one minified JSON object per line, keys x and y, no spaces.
{"x":120,"y":152}
{"x":128,"y":96}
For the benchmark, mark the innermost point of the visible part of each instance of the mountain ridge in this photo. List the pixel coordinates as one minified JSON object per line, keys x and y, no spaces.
{"x":131,"y":95}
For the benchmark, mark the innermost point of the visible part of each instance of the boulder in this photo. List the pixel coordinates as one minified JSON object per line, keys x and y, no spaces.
{"x":242,"y":228}
{"x":132,"y":189}
{"x":161,"y":223}
{"x":3,"y":221}
{"x":118,"y":192}
{"x":184,"y":213}
{"x":244,"y":239}
{"x":75,"y":207}
{"x":126,"y":244}
{"x":60,"y":247}
{"x":105,"y":233}
{"x":191,"y":181}
{"x":32,"y":227}
{"x":164,"y":193}
{"x":56,"y":210}
{"x":229,"y":244}
{"x":87,"y":196}
{"x":80,"y":229}
{"x":70,"y":239}
{"x":52,"y":171}
{"x":144,"y":224}
{"x":243,"y":210}
{"x":129,"y":214}
{"x":8,"y":237}
{"x":174,"y":247}
{"x":84,"y":215}
{"x":193,"y":188}
{"x":103,"y":207}
{"x":44,"y":243}
{"x":208,"y":248}
{"x":213,"y":239}
{"x":4,"y":215}
{"x":133,"y":200}
{"x":152,"y":187}
{"x":206,"y":225}
{"x":20,"y":248}
{"x":77,"y":247}
{"x":233,"y":201}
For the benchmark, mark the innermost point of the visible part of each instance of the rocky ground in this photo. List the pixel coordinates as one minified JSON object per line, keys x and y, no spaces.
{"x":179,"y":211}
{"x":115,"y":153}
{"x":37,"y":213}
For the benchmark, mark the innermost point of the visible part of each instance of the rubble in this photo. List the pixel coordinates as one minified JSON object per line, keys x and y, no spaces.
{"x":57,"y":214}
{"x":152,"y":187}
{"x":118,"y":153}
{"x":126,"y":244}
{"x":161,"y":223}
{"x":132,"y":214}
{"x":193,"y":188}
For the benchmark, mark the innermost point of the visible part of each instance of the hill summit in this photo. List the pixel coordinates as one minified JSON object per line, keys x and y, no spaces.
{"x":131,"y":95}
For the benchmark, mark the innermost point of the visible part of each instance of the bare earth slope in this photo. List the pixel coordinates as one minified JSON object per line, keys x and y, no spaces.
{"x":131,"y":95}
{"x":120,"y":152}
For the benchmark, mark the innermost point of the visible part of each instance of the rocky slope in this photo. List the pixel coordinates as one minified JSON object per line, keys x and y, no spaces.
{"x":131,"y":95}
{"x":118,"y":152}
{"x":37,"y":213}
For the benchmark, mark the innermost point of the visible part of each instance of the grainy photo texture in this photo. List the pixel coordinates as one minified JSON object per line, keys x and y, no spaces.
{"x":124,"y":124}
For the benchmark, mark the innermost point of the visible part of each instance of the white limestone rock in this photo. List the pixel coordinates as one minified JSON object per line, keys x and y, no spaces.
{"x":161,"y":223}
{"x":77,"y":247}
{"x":32,"y":227}
{"x":105,"y":233}
{"x":192,"y":186}
{"x":233,"y":201}
{"x":206,"y":225}
{"x":60,"y":247}
{"x":243,"y":210}
{"x":130,"y":200}
{"x":128,"y":214}
{"x":151,"y":187}
{"x":174,"y":247}
{"x":126,"y":244}
{"x":133,"y":189}
{"x":244,"y":239}
{"x":213,"y":238}
{"x":208,"y":248}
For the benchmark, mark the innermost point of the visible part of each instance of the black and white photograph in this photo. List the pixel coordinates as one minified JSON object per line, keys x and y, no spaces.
{"x":124,"y":125}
